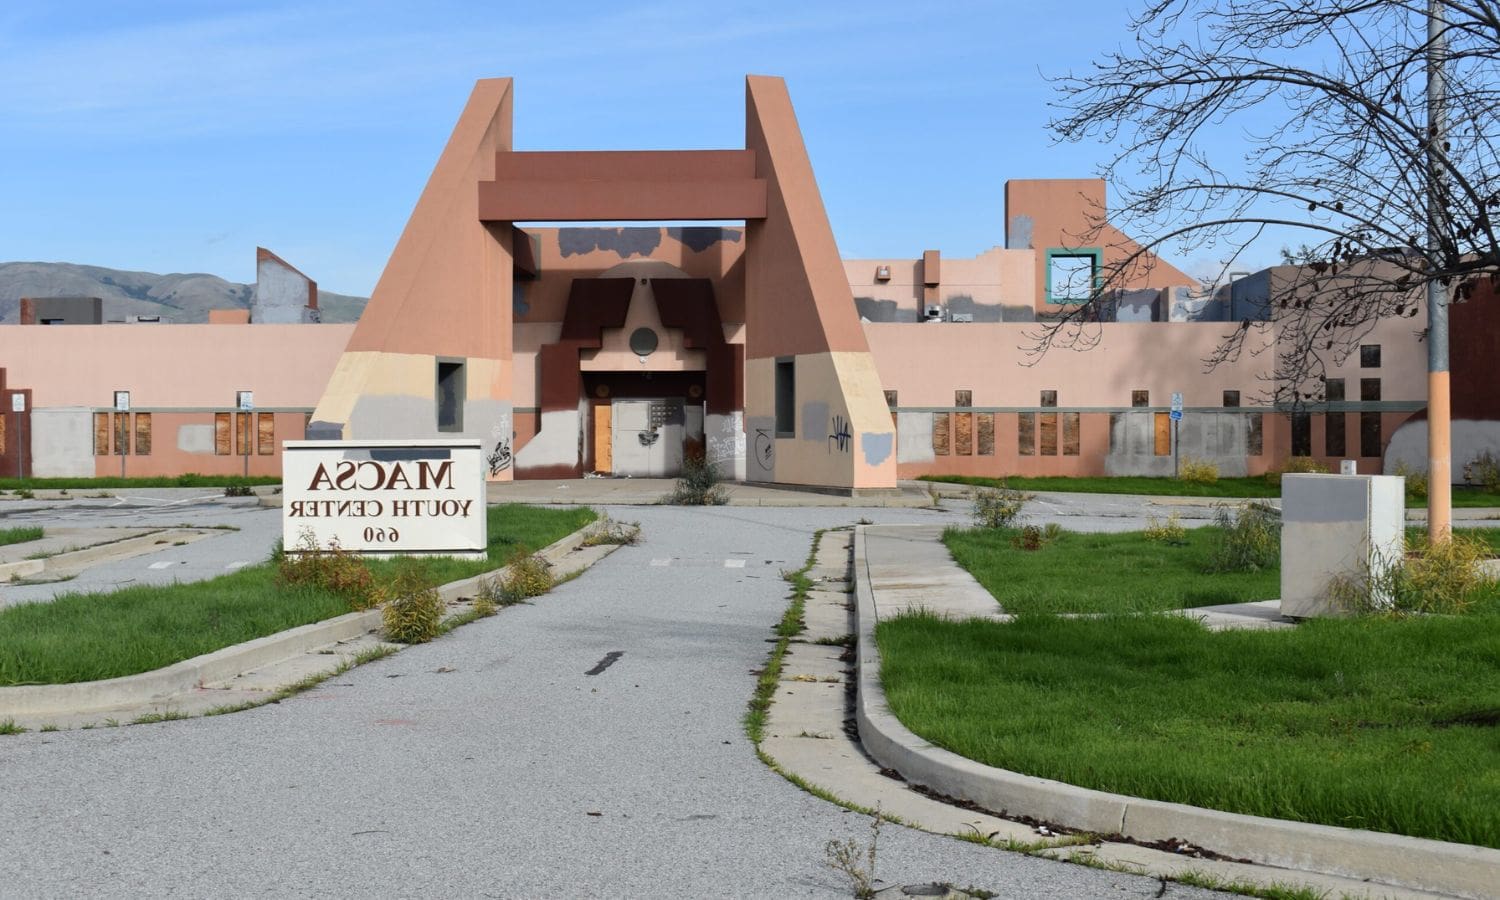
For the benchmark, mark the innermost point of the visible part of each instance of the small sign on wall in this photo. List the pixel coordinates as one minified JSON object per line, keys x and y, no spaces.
{"x":17,"y":402}
{"x":384,"y":498}
{"x":122,"y":401}
{"x":244,"y":401}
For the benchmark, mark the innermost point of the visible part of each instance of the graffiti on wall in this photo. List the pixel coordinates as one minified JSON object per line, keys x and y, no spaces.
{"x":839,"y":434}
{"x":500,"y":457}
{"x":728,"y":443}
{"x":765,"y":448}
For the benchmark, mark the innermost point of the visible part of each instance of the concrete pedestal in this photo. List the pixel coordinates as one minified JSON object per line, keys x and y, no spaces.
{"x":1336,"y":525}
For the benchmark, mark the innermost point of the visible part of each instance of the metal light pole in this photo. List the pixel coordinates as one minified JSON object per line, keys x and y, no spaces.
{"x":1439,"y":422}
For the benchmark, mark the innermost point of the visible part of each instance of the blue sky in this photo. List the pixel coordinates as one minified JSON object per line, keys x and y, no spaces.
{"x":176,"y":136}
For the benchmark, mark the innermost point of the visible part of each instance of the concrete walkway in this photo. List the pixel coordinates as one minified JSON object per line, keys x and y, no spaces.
{"x":589,"y":745}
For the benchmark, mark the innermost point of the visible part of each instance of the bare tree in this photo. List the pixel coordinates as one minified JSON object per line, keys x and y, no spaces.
{"x":1327,"y":98}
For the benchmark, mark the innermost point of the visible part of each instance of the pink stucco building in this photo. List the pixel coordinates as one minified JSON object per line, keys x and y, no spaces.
{"x":621,"y":349}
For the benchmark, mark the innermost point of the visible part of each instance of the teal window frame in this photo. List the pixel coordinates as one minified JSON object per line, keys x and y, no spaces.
{"x":1094,"y":253}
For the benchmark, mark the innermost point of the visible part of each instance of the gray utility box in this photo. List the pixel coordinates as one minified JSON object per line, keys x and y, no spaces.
{"x":1337,"y":525}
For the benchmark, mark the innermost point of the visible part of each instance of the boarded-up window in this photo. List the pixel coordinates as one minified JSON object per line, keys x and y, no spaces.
{"x":1049,"y":398}
{"x":1231,"y":398}
{"x":122,"y":434}
{"x":101,"y":434}
{"x":1070,"y":427}
{"x":1026,"y":434}
{"x":963,"y":434}
{"x":1256,"y":440}
{"x":986,"y":434}
{"x":1333,"y":434}
{"x":222,"y":446}
{"x":1163,"y":446}
{"x":1369,"y":420}
{"x":142,"y":434}
{"x":242,"y":434}
{"x":1047,"y":434}
{"x":1301,"y":434}
{"x":265,"y":433}
{"x":1369,"y":356}
{"x":940,"y":434}
{"x":963,"y":398}
{"x":890,"y":399}
{"x":1140,"y":398}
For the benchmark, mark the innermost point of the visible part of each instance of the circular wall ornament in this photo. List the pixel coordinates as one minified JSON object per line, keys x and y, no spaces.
{"x":601,"y":390}
{"x":643,"y":342}
{"x":695,"y":391}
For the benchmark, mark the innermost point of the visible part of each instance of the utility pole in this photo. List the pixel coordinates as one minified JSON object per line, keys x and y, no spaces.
{"x":1439,"y":413}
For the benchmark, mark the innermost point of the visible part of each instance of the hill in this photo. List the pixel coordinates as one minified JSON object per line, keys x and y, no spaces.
{"x":181,"y":298}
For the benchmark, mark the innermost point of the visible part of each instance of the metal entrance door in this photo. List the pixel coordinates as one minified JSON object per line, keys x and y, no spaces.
{"x":646,"y":437}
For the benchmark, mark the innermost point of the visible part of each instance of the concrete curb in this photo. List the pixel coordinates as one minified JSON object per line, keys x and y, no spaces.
{"x":1455,"y":869}
{"x":161,"y":685}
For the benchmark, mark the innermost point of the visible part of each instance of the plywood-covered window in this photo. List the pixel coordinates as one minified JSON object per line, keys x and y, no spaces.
{"x":1070,"y":433}
{"x":1026,"y":434}
{"x":1231,"y":399}
{"x":222,"y":434}
{"x":242,"y":440}
{"x":122,"y":434}
{"x":101,"y":434}
{"x":265,"y":433}
{"x":1046,"y":429}
{"x":1256,"y":440}
{"x":963,"y":434}
{"x":940,"y":441}
{"x":963,"y":398}
{"x":986,"y":422}
{"x":142,"y":434}
{"x":1140,"y":398}
{"x":1162,"y":445}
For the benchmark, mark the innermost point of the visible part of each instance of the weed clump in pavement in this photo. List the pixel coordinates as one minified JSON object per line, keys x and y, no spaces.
{"x":1430,"y":579}
{"x":856,"y":862}
{"x":698,"y":486}
{"x":414,"y":612}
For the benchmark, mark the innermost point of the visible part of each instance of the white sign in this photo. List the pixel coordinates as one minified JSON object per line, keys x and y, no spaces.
{"x":384,"y":497}
{"x":122,"y":401}
{"x":245,"y":400}
{"x":17,"y":402}
{"x":1176,"y":402}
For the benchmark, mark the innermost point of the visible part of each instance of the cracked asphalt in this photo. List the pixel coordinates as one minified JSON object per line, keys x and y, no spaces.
{"x":491,"y":763}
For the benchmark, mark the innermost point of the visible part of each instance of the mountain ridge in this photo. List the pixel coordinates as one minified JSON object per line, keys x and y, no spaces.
{"x":179,"y":297}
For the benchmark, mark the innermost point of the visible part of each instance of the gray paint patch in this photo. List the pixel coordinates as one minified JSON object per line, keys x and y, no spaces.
{"x":1219,"y":438}
{"x":325,"y":431}
{"x":623,"y":242}
{"x":876,"y":310}
{"x":877,"y":447}
{"x":700,"y":237}
{"x":1017,"y":314}
{"x":62,"y":443}
{"x":195,"y":438}
{"x":914,"y":437}
{"x":964,"y":304}
{"x":1018,"y":235}
{"x":760,"y":448}
{"x":814,"y":421}
{"x":397,"y":417}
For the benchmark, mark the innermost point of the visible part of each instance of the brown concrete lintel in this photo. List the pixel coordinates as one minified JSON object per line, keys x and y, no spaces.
{"x":621,"y":200}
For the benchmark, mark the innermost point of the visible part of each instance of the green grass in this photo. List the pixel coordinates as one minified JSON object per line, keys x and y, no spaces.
{"x":19,"y":535}
{"x":84,"y":637}
{"x":107,"y":481}
{"x":1104,"y":573}
{"x":1384,"y":724}
{"x":1236,"y":488}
